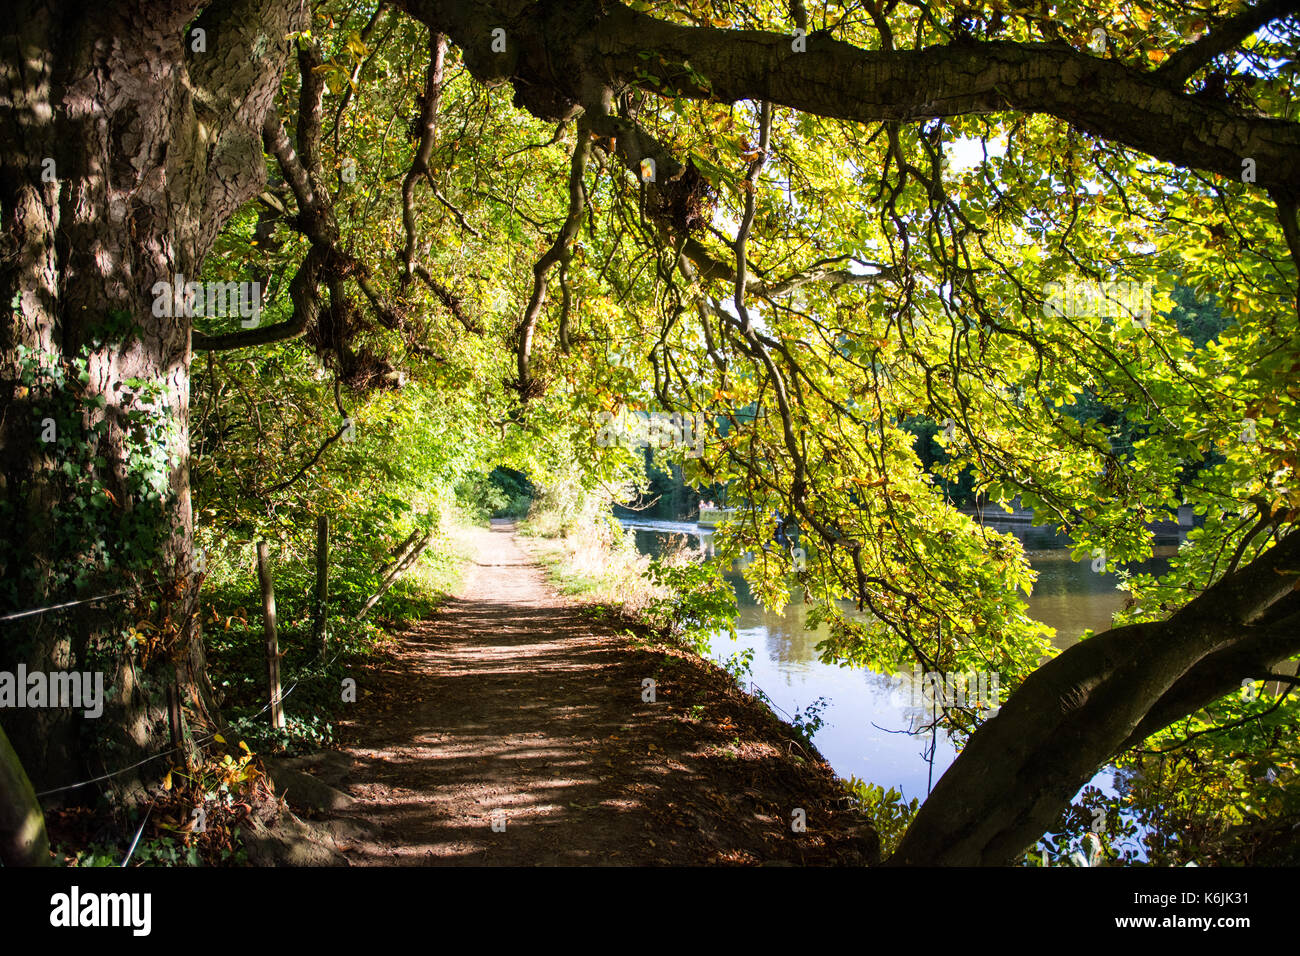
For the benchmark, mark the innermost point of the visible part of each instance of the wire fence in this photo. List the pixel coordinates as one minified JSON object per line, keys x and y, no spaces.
{"x":59,"y":607}
{"x":170,"y":750}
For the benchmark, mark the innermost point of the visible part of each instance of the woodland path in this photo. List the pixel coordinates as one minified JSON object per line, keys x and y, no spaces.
{"x":512,"y":700}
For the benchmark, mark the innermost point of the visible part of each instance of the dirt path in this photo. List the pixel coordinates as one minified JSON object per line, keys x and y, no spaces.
{"x":512,"y":702}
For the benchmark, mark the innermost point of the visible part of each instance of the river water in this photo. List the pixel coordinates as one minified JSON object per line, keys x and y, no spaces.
{"x":868,"y":723}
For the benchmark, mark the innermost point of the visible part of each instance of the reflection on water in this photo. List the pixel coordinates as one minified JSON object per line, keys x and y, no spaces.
{"x":867,"y":722}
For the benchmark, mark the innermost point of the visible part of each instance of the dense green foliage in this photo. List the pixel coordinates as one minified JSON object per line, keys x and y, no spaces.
{"x":887,"y":406}
{"x":840,"y":306}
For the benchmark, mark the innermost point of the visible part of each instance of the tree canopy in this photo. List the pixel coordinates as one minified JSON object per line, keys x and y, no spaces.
{"x":481,"y":228}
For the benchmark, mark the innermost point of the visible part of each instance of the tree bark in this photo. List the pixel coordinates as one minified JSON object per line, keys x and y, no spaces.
{"x":23,"y":841}
{"x":558,"y":56}
{"x":1098,"y":697}
{"x":124,"y":149}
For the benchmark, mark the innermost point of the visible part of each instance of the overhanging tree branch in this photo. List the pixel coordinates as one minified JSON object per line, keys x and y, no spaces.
{"x":747,"y":220}
{"x":342,"y":430}
{"x":1087,"y":704}
{"x":305,"y":295}
{"x":1224,"y":37}
{"x":1104,"y":97}
{"x":556,"y":254}
{"x":429,"y":102}
{"x":1259,"y":651}
{"x":633,"y":143}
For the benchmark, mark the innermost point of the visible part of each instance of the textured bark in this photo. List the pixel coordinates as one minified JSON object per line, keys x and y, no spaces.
{"x":23,"y":841}
{"x":154,"y":145}
{"x":1097,"y":95}
{"x":1022,"y":767}
{"x":559,"y":55}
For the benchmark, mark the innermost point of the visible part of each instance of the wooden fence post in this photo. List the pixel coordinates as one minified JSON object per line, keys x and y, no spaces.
{"x":272,"y":641}
{"x":322,"y":581}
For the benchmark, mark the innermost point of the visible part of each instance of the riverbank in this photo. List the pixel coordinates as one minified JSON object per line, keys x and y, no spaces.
{"x":516,"y":727}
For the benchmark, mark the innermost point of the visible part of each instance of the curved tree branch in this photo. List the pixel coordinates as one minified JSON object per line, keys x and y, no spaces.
{"x":303,"y":292}
{"x":1089,"y":703}
{"x":557,"y":253}
{"x":1224,"y":37}
{"x":604,"y":42}
{"x":429,"y":102}
{"x":747,"y":220}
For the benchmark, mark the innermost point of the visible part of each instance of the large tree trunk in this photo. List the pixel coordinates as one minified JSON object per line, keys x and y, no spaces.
{"x":127,"y":144}
{"x":1096,"y":699}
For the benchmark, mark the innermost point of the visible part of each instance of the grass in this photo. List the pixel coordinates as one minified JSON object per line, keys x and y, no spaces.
{"x":230,"y":606}
{"x":594,"y":566}
{"x":236,"y":644}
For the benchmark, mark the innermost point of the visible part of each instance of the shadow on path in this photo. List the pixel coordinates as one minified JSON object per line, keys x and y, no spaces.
{"x":513,"y":704}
